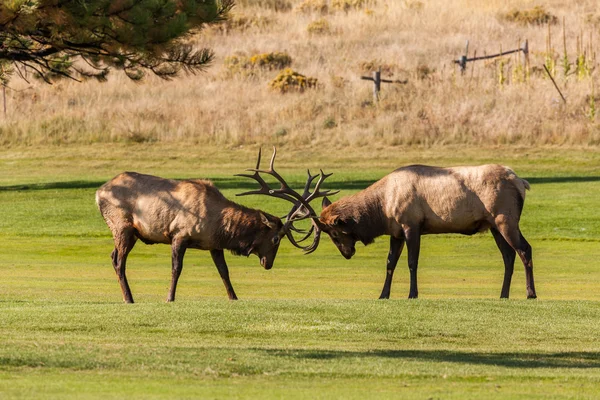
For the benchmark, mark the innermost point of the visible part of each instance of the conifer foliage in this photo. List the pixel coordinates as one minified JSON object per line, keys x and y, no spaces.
{"x":86,"y":38}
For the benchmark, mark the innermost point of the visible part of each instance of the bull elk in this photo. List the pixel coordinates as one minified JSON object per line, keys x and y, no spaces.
{"x":418,"y":200}
{"x":194,"y":214}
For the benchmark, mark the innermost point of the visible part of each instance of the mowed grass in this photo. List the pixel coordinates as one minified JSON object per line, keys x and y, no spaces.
{"x":311,"y":327}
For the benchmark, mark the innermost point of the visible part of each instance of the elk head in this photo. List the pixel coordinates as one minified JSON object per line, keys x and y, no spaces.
{"x":301,"y":208}
{"x":339,"y":229}
{"x":266,"y":242}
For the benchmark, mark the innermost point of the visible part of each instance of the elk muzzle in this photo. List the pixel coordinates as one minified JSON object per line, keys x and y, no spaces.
{"x":266,"y":263}
{"x":347,"y":252}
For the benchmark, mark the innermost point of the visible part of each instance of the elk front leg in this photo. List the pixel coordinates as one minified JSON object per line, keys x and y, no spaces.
{"x":508,"y":255}
{"x":219,"y":259}
{"x":178,"y":248}
{"x":413,"y":245}
{"x":396,"y":246}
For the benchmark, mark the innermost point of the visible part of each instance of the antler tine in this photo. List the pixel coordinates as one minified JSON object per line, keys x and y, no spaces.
{"x":259,"y":155}
{"x":297,"y":230}
{"x":306,"y":233}
{"x":309,"y":181}
{"x":264,"y":186}
{"x":307,"y":249}
{"x":285,"y":188}
{"x":273,"y":159}
{"x":313,"y":246}
{"x":316,"y":193}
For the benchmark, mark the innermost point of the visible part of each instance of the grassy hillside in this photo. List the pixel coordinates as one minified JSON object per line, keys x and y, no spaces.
{"x":336,"y":42}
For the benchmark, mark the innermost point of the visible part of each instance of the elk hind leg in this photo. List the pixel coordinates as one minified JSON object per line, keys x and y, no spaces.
{"x":508,"y":255}
{"x":124,"y":242}
{"x":413,"y":245}
{"x":511,"y":233}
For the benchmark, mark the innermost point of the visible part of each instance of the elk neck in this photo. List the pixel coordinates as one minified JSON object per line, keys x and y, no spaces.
{"x":239,"y":227}
{"x":365,"y":208}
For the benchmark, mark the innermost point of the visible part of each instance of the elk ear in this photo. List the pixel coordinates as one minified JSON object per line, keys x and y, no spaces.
{"x":325,"y":203}
{"x":266,"y":221}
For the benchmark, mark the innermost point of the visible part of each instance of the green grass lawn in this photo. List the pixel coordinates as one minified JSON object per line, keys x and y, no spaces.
{"x":311,"y":327}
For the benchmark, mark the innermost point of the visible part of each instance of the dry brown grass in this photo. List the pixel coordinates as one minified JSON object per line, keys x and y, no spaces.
{"x":409,"y":39}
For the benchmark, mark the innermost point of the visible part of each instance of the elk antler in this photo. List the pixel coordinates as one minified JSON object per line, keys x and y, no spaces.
{"x":301,"y":209}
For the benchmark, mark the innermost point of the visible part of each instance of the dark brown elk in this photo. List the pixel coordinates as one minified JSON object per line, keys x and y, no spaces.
{"x":194,"y":214}
{"x":417,"y":200}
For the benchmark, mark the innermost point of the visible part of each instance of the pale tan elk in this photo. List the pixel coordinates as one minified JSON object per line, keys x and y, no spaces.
{"x":418,"y":200}
{"x":194,"y":214}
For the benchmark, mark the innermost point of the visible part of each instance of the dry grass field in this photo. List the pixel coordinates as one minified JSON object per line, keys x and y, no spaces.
{"x":495,"y":102}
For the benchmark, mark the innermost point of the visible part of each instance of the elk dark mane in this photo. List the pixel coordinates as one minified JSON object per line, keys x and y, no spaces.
{"x":362,"y":214}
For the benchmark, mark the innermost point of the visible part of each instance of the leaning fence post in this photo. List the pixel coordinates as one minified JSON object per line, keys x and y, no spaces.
{"x":376,"y":85}
{"x":525,"y":50}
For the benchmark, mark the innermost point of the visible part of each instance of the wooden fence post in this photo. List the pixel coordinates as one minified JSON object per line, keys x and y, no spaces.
{"x":376,"y":85}
{"x":376,"y":78}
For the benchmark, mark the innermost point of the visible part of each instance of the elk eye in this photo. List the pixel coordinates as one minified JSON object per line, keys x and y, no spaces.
{"x":275,"y":240}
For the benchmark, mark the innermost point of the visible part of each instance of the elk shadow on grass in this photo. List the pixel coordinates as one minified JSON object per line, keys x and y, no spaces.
{"x":220,"y":183}
{"x":242,"y":184}
{"x":568,"y":359}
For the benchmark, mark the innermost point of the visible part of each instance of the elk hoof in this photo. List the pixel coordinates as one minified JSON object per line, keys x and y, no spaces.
{"x":531,"y":296}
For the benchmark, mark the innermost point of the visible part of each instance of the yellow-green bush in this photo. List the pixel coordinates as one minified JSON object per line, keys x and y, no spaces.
{"x":271,"y":61}
{"x":289,"y":80}
{"x":593,"y":19}
{"x":535,"y":16}
{"x":239,"y":64}
{"x":319,"y":27}
{"x":275,"y":5}
{"x":415,"y":5}
{"x":325,"y":6}
{"x":313,"y":6}
{"x":347,"y":5}
{"x":240,"y":22}
{"x":368,"y":66}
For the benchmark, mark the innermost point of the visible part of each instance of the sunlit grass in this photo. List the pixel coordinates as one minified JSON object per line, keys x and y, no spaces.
{"x":311,"y":327}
